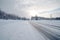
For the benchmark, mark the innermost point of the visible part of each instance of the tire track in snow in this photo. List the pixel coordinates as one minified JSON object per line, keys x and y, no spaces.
{"x":54,"y":26}
{"x":46,"y":33}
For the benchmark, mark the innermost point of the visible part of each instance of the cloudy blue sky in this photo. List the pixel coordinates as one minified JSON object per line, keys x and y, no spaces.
{"x":28,"y":8}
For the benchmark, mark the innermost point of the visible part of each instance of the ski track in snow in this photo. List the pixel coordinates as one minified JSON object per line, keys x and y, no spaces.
{"x":29,"y":30}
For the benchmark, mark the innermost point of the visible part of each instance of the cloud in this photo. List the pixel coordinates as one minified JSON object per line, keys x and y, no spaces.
{"x":19,"y":7}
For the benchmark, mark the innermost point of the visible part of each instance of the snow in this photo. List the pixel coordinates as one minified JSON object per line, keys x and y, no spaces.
{"x":23,"y":30}
{"x":51,"y":22}
{"x":49,"y":27}
{"x":18,"y":30}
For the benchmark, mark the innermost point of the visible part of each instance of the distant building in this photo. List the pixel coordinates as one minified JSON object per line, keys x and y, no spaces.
{"x":43,"y":18}
{"x":34,"y":18}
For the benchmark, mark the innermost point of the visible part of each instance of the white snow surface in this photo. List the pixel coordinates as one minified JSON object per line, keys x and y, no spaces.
{"x":50,"y":22}
{"x":23,"y":30}
{"x":18,"y":30}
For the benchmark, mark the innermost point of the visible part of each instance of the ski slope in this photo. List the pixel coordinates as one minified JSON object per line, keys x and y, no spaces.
{"x":29,"y":30}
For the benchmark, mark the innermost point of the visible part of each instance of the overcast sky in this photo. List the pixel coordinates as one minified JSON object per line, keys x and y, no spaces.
{"x":28,"y":8}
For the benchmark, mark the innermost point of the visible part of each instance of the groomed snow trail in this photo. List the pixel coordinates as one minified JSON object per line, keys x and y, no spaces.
{"x":18,"y":30}
{"x":49,"y":32}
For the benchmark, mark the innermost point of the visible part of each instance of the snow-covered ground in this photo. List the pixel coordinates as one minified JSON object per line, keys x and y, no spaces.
{"x":23,"y":30}
{"x":50,"y":28}
{"x":50,"y":22}
{"x":18,"y":30}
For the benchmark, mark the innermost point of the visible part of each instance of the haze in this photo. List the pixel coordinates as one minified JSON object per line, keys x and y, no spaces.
{"x":28,"y":8}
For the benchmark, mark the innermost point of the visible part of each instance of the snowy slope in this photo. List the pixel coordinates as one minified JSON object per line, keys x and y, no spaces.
{"x":18,"y":30}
